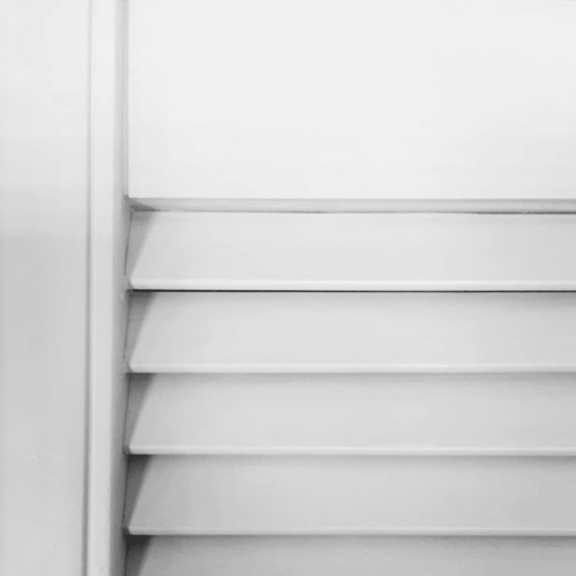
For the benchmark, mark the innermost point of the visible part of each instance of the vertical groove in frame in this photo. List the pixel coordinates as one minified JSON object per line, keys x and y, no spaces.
{"x":127,"y":218}
{"x":88,"y":312}
{"x":123,"y":87}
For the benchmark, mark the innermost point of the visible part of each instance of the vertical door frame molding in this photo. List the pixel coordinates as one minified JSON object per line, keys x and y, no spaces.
{"x":109,"y":223}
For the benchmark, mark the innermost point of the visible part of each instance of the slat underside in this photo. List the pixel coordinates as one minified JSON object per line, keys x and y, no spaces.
{"x":219,"y":251}
{"x":373,"y":556}
{"x":204,"y":495}
{"x":317,"y":332}
{"x":351,"y":413}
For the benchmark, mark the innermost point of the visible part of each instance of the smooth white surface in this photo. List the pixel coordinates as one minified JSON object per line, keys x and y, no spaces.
{"x":266,"y":413}
{"x":254,"y":495}
{"x":344,"y":556}
{"x":43,"y":286}
{"x":321,"y":99}
{"x":348,"y":332}
{"x":187,"y":251}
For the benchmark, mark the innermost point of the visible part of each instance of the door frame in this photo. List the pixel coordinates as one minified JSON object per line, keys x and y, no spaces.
{"x":108,"y":295}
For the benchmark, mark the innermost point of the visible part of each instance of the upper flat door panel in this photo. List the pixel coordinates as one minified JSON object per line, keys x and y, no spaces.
{"x":363,"y":99}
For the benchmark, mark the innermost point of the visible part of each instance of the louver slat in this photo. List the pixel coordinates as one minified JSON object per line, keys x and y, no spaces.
{"x":339,"y":556}
{"x":227,"y":251}
{"x":342,"y":332}
{"x":352,"y":413}
{"x":342,"y":495}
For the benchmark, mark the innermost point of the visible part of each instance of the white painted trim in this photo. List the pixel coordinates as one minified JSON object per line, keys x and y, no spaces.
{"x":109,"y":215}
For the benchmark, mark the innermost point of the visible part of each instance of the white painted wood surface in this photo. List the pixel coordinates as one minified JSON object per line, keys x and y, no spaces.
{"x":351,"y":413}
{"x":344,"y":556}
{"x":343,"y":495}
{"x":187,"y":251}
{"x":316,"y":99}
{"x":343,"y":332}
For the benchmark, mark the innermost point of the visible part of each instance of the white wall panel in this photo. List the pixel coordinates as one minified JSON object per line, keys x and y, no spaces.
{"x":350,"y":495}
{"x":321,"y":99}
{"x":44,"y":204}
{"x":239,"y":556}
{"x":316,"y":332}
{"x":183,"y":250}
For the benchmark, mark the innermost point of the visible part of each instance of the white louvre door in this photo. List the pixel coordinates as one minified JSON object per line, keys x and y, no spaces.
{"x":352,"y":258}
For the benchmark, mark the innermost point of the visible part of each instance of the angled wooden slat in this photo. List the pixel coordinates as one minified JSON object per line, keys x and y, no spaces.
{"x":211,"y":251}
{"x":341,"y":556}
{"x":307,"y":495}
{"x":343,"y":332}
{"x":352,"y":413}
{"x":312,"y":99}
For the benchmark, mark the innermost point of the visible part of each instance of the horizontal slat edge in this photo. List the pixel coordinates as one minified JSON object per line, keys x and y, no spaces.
{"x":234,"y":451}
{"x":416,"y":532}
{"x":356,"y":206}
{"x":144,"y":368}
{"x":345,"y":286}
{"x":341,"y":555}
